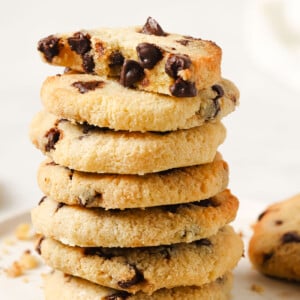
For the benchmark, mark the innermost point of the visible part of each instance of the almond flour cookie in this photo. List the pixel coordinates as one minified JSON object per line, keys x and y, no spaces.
{"x":140,"y":57}
{"x":105,"y":103}
{"x":92,"y":149}
{"x":112,"y":191}
{"x":151,"y":268}
{"x":60,"y":286}
{"x":274,"y":248}
{"x":87,"y":227}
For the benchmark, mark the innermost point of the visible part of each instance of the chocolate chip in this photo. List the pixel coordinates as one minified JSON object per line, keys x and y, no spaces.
{"x":267,"y":256}
{"x":183,"y":42}
{"x":116,"y":59}
{"x":49,"y":46}
{"x":176,"y":63}
{"x":203,"y":242}
{"x":182,"y":88}
{"x":80,"y":42}
{"x":101,"y":252}
{"x":137,"y":278}
{"x":290,"y":237}
{"x":88,"y":63}
{"x":42,"y":200}
{"x":53,"y":135}
{"x":278,"y":222}
{"x":153,"y":28}
{"x":131,"y":73}
{"x":86,"y":86}
{"x":219,"y":90}
{"x":38,"y":245}
{"x":59,"y":206}
{"x":149,"y":55}
{"x":117,"y":296}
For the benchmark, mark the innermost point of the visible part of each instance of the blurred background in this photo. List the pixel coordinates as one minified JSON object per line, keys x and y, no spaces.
{"x":261,"y":54}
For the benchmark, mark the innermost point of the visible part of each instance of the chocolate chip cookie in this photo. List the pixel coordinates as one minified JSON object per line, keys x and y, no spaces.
{"x":274,"y":248}
{"x":105,"y":103}
{"x":139,"y":57}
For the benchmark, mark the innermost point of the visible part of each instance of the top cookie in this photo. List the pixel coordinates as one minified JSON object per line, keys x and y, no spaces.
{"x":145,"y":57}
{"x":274,"y":248}
{"x":105,"y":103}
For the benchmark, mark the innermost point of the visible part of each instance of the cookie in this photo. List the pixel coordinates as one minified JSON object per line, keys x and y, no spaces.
{"x":151,"y":268}
{"x":92,"y":227}
{"x":60,"y":286}
{"x":109,"y":191}
{"x":93,"y":149}
{"x":149,"y":60}
{"x":105,"y":103}
{"x":274,"y":248}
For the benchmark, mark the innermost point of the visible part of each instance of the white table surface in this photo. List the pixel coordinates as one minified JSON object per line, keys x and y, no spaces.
{"x":263,"y":140}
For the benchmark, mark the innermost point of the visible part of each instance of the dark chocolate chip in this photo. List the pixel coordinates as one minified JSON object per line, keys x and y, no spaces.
{"x":116,"y":59}
{"x":131,"y":73}
{"x":219,"y":90}
{"x":53,"y":135}
{"x":176,"y":63}
{"x":152,"y":27}
{"x":59,"y":206}
{"x":149,"y":55}
{"x":86,"y":86}
{"x":182,"y":88}
{"x":117,"y":296}
{"x":137,"y":278}
{"x":278,"y":222}
{"x":42,"y":200}
{"x":88,"y":63}
{"x":267,"y":256}
{"x":49,"y":46}
{"x":80,"y":42}
{"x":183,"y":42}
{"x":203,"y":242}
{"x":38,"y":245}
{"x":290,"y":237}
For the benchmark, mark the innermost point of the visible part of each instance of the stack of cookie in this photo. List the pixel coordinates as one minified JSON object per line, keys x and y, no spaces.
{"x":136,"y":204}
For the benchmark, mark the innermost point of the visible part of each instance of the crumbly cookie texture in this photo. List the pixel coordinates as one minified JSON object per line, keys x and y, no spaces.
{"x":87,"y":227}
{"x":274,"y":248}
{"x":112,"y":191}
{"x":92,"y":149}
{"x":105,"y":103}
{"x":148,"y":269}
{"x":148,"y":60}
{"x":60,"y":286}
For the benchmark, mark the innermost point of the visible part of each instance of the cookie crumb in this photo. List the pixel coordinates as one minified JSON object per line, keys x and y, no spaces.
{"x":23,"y":231}
{"x":15,"y":270}
{"x":257,"y":288}
{"x":28,"y":261}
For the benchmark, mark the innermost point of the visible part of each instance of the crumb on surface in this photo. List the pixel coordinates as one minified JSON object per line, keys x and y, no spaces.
{"x":257,"y":288}
{"x":23,"y":231}
{"x":15,"y":270}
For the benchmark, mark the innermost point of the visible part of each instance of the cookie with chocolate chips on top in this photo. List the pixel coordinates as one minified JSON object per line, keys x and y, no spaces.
{"x":274,"y":248}
{"x":142,"y":57}
{"x":92,"y":149}
{"x":105,"y":103}
{"x":60,"y":286}
{"x":148,"y":269}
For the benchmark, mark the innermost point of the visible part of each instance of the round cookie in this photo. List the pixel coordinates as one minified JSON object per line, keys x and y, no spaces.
{"x":92,"y":149}
{"x":109,"y":191}
{"x":274,"y":248}
{"x":151,"y":268}
{"x":97,"y":101}
{"x":60,"y":286}
{"x":94,"y":227}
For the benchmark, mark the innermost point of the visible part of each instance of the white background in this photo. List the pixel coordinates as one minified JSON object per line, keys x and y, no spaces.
{"x":262,"y":145}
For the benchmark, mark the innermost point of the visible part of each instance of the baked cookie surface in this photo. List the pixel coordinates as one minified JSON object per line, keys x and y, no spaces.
{"x":87,"y":227}
{"x":151,"y":268}
{"x":105,"y":103}
{"x":92,"y":149}
{"x":60,"y":286}
{"x":109,"y":191}
{"x":149,"y":60}
{"x":274,"y":248}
